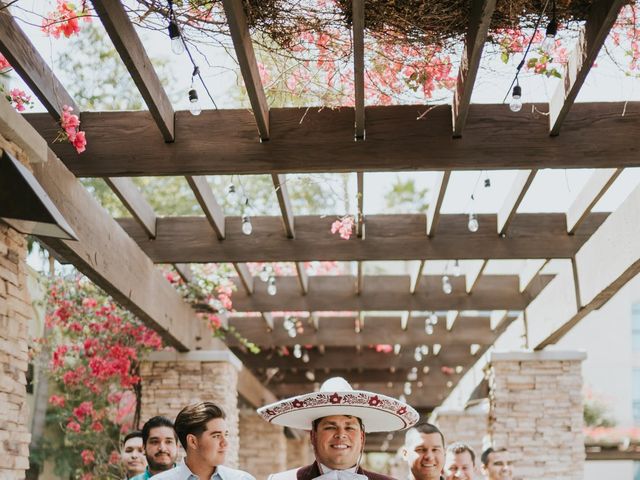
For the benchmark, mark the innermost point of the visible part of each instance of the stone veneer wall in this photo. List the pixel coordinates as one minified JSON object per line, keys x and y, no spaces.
{"x":263,"y":446}
{"x":15,"y":311}
{"x":171,"y":381}
{"x":466,"y":426}
{"x":299,"y":452}
{"x":536,"y":412}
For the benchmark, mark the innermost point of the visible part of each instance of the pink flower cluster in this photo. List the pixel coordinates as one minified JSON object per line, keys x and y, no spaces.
{"x":343,"y":226}
{"x":63,"y":20}
{"x":19,"y":99}
{"x":4,"y":64}
{"x":70,"y":124}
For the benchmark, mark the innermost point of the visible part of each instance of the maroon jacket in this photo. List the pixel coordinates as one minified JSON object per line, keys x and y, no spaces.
{"x":312,"y":471}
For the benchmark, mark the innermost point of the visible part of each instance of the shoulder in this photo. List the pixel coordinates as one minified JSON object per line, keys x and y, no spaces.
{"x":168,"y":475}
{"x":376,"y":476}
{"x":228,"y":473}
{"x":287,"y":475}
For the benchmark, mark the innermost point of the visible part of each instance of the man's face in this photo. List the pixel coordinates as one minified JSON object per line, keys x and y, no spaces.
{"x":498,"y":466}
{"x":337,"y":441}
{"x":133,"y":457}
{"x":425,"y":454}
{"x":161,"y":449}
{"x":459,"y":466}
{"x":211,"y":445}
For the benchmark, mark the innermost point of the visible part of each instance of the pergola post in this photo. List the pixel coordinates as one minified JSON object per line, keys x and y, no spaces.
{"x":466,"y":426}
{"x":173,"y":380}
{"x":536,"y":412}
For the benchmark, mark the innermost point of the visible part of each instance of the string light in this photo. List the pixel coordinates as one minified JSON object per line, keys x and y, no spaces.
{"x":516,"y":99}
{"x":232,"y":195}
{"x":433,"y":318}
{"x":292,"y":333}
{"x":271,"y":286}
{"x":177,"y":44}
{"x":288,"y":323}
{"x":297,"y":351}
{"x":407,"y":388}
{"x":428,"y":328}
{"x":473,"y":225}
{"x":552,"y":29}
{"x":265,"y":273}
{"x":194,"y":104}
{"x":447,"y":288}
{"x":305,"y":357}
{"x":310,"y":375}
{"x":456,"y":269}
{"x":247,"y":228}
{"x":424,"y":350}
{"x":417,"y":355}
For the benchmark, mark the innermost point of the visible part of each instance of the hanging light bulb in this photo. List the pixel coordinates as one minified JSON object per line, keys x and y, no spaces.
{"x":396,"y":348}
{"x":456,"y":269}
{"x":417,"y":355}
{"x":310,"y":375}
{"x":271,"y":286}
{"x":232,"y":197}
{"x":288,"y":323}
{"x":550,"y":37}
{"x":412,"y":376}
{"x":264,"y":272}
{"x":194,"y":104}
{"x":516,"y":99}
{"x":247,"y":228}
{"x":305,"y":357}
{"x":433,"y":318}
{"x":447,"y":288}
{"x":473,"y":224}
{"x":297,"y":351}
{"x":428,"y":329}
{"x":425,"y":351}
{"x":292,"y":333}
{"x":177,"y":44}
{"x":407,"y":388}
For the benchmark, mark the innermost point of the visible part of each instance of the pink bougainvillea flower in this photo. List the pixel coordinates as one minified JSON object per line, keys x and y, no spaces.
{"x":343,"y":226}
{"x":70,"y":130}
{"x":4,"y":64}
{"x":73,"y":426}
{"x":19,"y":99}
{"x":57,"y":401}
{"x":63,"y":20}
{"x":88,"y":457}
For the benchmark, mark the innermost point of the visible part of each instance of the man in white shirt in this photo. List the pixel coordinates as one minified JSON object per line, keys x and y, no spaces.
{"x":202,"y":431}
{"x":496,"y":464}
{"x":460,"y":462}
{"x":424,"y":452}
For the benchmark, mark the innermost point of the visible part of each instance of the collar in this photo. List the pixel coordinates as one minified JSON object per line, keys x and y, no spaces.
{"x":184,"y":473}
{"x":324,"y":469}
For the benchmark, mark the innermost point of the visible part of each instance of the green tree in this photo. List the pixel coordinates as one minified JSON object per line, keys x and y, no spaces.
{"x":406,"y":197}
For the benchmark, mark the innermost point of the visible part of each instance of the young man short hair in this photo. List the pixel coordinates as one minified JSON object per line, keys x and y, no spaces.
{"x":202,"y":431}
{"x":160,"y":446}
{"x":424,"y":451}
{"x":132,"y":454}
{"x":460,"y":462}
{"x":496,"y":464}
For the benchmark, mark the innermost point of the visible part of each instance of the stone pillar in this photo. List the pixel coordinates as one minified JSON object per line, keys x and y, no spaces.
{"x":299,"y":452}
{"x":172,"y":380}
{"x":15,"y":312}
{"x":536,"y":412}
{"x":466,"y":426}
{"x":263,"y":446}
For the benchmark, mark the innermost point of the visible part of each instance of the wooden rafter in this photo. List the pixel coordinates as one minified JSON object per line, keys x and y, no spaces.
{"x":245,"y":277}
{"x":210,"y":206}
{"x":185,"y":272}
{"x":593,"y":191}
{"x":282,"y":193}
{"x":133,"y":54}
{"x":479,"y":21}
{"x":471,"y":278}
{"x":303,"y":277}
{"x":440,"y":190}
{"x":237,"y":20}
{"x":360,"y":226}
{"x":389,"y":237}
{"x":399,"y":375}
{"x":386,"y":293}
{"x":514,"y":198}
{"x":530,"y":271}
{"x":602,"y":15}
{"x":396,"y":141}
{"x":415,"y":280}
{"x":134,"y":201}
{"x":358,"y":66}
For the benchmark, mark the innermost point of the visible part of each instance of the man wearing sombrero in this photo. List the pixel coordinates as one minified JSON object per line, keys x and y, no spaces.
{"x":338,"y":418}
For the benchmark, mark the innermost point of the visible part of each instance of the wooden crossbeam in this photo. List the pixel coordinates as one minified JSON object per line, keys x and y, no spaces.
{"x":185,"y":272}
{"x":359,"y":283}
{"x":360,"y":226}
{"x":601,"y":17}
{"x":298,"y":379}
{"x":389,"y":237}
{"x":133,"y":54}
{"x":267,"y":317}
{"x":358,"y":65}
{"x":479,"y":21}
{"x":237,"y":20}
{"x":223,"y":141}
{"x":303,"y":277}
{"x":282,"y":193}
{"x":245,"y":277}
{"x":386,"y":293}
{"x":595,"y":188}
{"x":207,"y":201}
{"x":514,"y":198}
{"x":440,"y":189}
{"x":134,"y":201}
{"x":415,"y":280}
{"x":530,"y":271}
{"x":472,"y":277}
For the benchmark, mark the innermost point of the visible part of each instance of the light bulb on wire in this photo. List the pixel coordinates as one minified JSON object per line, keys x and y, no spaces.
{"x":271,"y":286}
{"x":516,"y":99}
{"x":550,"y":36}
{"x":428,"y":329}
{"x":247,"y":228}
{"x":447,"y":288}
{"x":433,"y":318}
{"x":288,"y":323}
{"x":297,"y":351}
{"x":265,"y":272}
{"x":473,"y":223}
{"x":232,"y":195}
{"x":177,"y":43}
{"x":456,"y":268}
{"x":305,"y":357}
{"x":194,"y":103}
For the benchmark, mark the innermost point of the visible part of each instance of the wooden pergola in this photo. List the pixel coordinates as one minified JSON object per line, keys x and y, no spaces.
{"x":119,"y":254}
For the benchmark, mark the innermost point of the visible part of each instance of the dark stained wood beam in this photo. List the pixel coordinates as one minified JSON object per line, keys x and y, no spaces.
{"x":134,"y":201}
{"x":360,"y":226}
{"x":386,"y":293}
{"x":514,"y":198}
{"x":471,"y":278}
{"x":208,"y":203}
{"x":433,"y":213}
{"x":360,"y":377}
{"x":237,"y":20}
{"x":602,"y":15}
{"x":389,"y":237}
{"x":415,"y":281}
{"x":133,"y":54}
{"x":303,"y":277}
{"x":223,"y":141}
{"x":358,"y":65}
{"x":185,"y":272}
{"x":479,"y":21}
{"x":246,"y":279}
{"x":282,"y":193}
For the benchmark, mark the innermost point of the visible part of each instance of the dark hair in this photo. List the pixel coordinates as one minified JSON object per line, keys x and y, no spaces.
{"x":154,"y":422}
{"x":428,"y":428}
{"x":193,"y":419}
{"x":484,"y":458}
{"x":314,"y":424}
{"x":130,"y":435}
{"x":459,"y":447}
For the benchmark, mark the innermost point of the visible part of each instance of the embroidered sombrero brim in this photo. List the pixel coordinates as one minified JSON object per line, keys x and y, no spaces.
{"x":378,"y":413}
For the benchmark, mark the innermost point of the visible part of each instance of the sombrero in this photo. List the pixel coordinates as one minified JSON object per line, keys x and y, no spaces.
{"x":379,"y":413}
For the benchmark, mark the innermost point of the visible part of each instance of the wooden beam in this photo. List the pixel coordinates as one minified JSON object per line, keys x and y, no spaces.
{"x":389,"y":237}
{"x":597,"y":136}
{"x":34,"y":71}
{"x":471,"y":278}
{"x":452,"y":316}
{"x":268,"y":319}
{"x":385,"y":293}
{"x":253,"y":391}
{"x":530,"y":271}
{"x":516,"y":194}
{"x":359,"y":278}
{"x":358,"y":65}
{"x":602,"y":15}
{"x":479,"y":21}
{"x":134,"y":201}
{"x":280,"y":184}
{"x":595,"y":188}
{"x":208,"y":203}
{"x":298,"y":378}
{"x":360,"y":226}
{"x":185,"y":272}
{"x":433,"y":213}
{"x":497,"y":318}
{"x":415,"y":280}
{"x":237,"y":20}
{"x":133,"y":54}
{"x":245,"y":277}
{"x":303,"y":277}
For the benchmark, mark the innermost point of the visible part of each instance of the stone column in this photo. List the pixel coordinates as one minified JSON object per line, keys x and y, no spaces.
{"x":15,"y":312}
{"x":263,"y":446}
{"x":172,"y":380}
{"x":536,"y":412}
{"x":466,"y":426}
